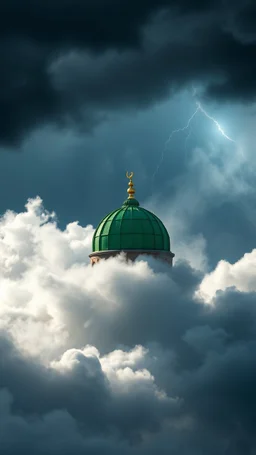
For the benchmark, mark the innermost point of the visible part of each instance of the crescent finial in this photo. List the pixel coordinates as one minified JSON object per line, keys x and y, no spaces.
{"x":130,"y":190}
{"x":129,"y":176}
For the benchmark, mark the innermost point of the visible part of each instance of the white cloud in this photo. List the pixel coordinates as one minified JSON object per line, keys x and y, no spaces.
{"x":241,"y":275}
{"x":118,"y":358}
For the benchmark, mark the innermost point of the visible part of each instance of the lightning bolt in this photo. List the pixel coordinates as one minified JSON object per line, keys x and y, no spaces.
{"x":180,"y":130}
{"x":200,"y":109}
{"x":214,"y":121}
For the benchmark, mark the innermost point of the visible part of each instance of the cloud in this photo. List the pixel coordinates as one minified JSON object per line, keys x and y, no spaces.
{"x":75,"y":64}
{"x":46,"y":280}
{"x":240,"y":275}
{"x":120,"y":358}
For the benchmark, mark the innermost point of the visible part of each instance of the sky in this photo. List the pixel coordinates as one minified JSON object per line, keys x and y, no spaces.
{"x":130,"y":359}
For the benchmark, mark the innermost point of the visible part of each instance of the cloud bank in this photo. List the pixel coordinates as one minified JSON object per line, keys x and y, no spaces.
{"x":120,"y":358}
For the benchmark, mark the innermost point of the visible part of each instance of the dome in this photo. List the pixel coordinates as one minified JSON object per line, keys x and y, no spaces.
{"x":131,"y":227}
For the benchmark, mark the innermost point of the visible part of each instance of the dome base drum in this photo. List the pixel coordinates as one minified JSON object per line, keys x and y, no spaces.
{"x":131,"y":255}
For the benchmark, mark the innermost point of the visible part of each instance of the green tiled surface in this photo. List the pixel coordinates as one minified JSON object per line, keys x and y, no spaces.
{"x":131,"y":227}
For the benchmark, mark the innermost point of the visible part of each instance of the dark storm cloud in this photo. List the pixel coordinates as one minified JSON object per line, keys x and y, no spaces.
{"x":245,"y":21}
{"x":122,"y":61}
{"x":84,"y":392}
{"x":208,"y":363}
{"x":94,"y":23}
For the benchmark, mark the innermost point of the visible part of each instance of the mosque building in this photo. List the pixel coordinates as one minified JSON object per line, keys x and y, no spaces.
{"x":132,"y":230}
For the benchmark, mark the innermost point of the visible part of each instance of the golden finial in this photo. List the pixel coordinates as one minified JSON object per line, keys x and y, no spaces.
{"x":131,"y":190}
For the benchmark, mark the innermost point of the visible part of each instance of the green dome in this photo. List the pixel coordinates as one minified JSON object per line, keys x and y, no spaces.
{"x":131,"y":228}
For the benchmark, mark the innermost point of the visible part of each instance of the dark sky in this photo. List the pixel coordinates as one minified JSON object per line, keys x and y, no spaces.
{"x":88,"y":90}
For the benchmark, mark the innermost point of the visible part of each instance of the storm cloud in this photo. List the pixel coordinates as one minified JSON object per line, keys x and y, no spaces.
{"x":120,"y":358}
{"x":75,"y":63}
